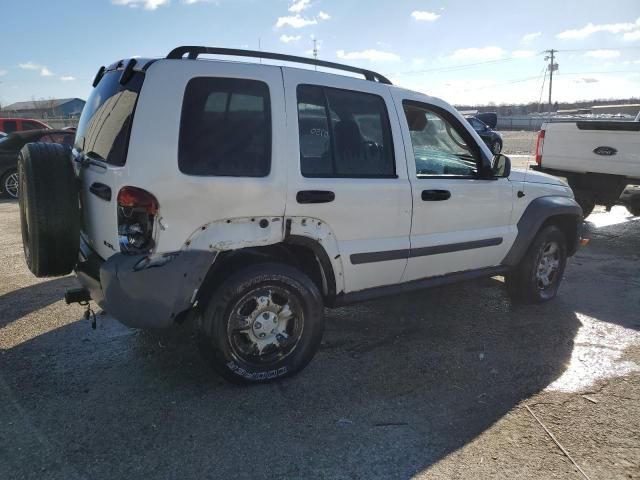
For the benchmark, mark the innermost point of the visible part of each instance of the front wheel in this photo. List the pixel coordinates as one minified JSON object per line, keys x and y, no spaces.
{"x":264,"y":322}
{"x":538,"y":275}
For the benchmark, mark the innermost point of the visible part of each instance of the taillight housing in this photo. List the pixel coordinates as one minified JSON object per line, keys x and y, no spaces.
{"x":539,"y":147}
{"x":137,"y":211}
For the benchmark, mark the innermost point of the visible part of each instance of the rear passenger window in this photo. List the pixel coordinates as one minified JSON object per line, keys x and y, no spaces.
{"x":225,"y":128}
{"x":10,"y":126}
{"x":343,"y":134}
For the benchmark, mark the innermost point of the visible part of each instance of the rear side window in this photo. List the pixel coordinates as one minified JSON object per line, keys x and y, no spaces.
{"x":105,"y":124}
{"x":225,"y":128}
{"x":343,"y":134}
{"x":10,"y":126}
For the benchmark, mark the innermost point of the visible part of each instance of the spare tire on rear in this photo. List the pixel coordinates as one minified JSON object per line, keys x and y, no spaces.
{"x":49,"y":209}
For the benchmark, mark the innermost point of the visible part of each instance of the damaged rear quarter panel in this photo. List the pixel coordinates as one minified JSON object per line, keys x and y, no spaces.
{"x":245,"y":232}
{"x":236,"y":233}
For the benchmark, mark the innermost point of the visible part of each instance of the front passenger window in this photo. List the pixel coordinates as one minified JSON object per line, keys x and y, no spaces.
{"x":438,"y":147}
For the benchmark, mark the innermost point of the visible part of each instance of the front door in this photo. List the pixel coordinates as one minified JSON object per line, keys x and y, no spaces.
{"x":351,"y":152}
{"x":460,"y":220}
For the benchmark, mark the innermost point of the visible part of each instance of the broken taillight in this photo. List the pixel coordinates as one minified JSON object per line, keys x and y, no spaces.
{"x":539,"y":146}
{"x":137,"y":211}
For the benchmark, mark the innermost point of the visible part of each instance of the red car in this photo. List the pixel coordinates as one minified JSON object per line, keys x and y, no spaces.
{"x":10,"y":125}
{"x":10,"y":147}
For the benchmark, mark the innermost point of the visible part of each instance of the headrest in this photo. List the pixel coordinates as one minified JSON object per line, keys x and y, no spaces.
{"x":416,"y":119}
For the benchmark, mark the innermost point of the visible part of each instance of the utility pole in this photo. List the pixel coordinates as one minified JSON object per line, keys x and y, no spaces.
{"x":552,"y":68}
{"x":315,"y":52}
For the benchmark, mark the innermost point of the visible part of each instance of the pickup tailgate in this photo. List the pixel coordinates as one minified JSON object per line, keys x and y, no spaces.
{"x":611,"y":147}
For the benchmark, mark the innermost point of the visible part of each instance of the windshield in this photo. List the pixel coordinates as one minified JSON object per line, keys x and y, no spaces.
{"x":105,"y":123}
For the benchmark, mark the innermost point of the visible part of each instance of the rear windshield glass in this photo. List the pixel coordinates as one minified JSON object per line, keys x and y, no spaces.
{"x":105,"y":123}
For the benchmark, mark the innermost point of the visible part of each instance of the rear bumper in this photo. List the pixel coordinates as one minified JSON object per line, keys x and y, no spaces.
{"x":150,"y":297}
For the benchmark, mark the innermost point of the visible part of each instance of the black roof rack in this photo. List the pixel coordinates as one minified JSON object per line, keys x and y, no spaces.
{"x":192,"y":53}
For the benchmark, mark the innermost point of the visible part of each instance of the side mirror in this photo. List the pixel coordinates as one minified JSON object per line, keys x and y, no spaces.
{"x":501,"y":167}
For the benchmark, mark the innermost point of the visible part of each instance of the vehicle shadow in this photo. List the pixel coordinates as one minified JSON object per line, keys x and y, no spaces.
{"x":18,"y":303}
{"x":399,"y":384}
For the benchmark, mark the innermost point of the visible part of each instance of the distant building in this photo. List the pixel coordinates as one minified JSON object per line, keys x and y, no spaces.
{"x":55,"y":107}
{"x":575,"y":111}
{"x":626,"y":109}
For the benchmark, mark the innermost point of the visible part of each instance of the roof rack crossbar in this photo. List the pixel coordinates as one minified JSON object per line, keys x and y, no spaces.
{"x":192,"y":53}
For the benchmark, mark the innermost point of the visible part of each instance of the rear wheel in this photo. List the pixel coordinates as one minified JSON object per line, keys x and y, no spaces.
{"x":264,"y":322}
{"x":634,"y":210}
{"x":538,"y":275}
{"x":9,"y":183}
{"x":49,"y":209}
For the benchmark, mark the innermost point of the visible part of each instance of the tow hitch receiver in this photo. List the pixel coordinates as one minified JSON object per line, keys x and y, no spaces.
{"x":77,"y":295}
{"x":82,"y":297}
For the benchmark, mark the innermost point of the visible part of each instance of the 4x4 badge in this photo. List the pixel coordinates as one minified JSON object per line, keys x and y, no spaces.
{"x":605,"y":151}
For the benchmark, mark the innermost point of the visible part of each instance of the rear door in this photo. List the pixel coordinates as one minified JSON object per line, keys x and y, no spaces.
{"x":346,"y":144}
{"x":101,"y":152}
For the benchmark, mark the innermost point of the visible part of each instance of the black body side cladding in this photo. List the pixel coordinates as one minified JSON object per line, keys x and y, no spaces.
{"x":534,"y":216}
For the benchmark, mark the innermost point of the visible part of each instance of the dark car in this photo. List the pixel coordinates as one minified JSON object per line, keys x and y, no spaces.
{"x":492,"y":138}
{"x":11,"y":145}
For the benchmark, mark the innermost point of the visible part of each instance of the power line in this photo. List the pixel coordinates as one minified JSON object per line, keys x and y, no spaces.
{"x":538,"y":77}
{"x":512,"y":82}
{"x":503,"y":60}
{"x":544,"y":77}
{"x":456,"y":67}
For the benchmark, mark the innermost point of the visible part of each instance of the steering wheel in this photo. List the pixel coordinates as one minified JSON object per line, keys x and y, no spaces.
{"x":453,"y":137}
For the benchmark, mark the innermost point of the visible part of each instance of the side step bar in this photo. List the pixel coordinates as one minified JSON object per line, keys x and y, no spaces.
{"x":77,"y":295}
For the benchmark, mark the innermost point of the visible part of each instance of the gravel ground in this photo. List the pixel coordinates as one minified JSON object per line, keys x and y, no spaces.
{"x":519,"y":142}
{"x":433,"y":384}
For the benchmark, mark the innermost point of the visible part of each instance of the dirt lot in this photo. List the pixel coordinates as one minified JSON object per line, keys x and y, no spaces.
{"x":429,"y":385}
{"x":519,"y":142}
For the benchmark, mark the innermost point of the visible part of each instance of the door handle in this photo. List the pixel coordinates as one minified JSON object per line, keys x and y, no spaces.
{"x":101,"y":190}
{"x":315,"y":196}
{"x":435,"y":195}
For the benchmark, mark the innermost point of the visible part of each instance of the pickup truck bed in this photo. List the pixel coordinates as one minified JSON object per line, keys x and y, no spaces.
{"x":598,"y":159}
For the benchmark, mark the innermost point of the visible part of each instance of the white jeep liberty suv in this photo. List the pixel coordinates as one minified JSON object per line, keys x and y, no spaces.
{"x":249,"y":196}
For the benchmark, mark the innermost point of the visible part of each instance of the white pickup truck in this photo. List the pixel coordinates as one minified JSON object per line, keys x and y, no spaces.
{"x":600,"y":160}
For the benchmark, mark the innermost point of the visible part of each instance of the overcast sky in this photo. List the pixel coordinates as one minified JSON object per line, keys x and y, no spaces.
{"x":53,"y":49}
